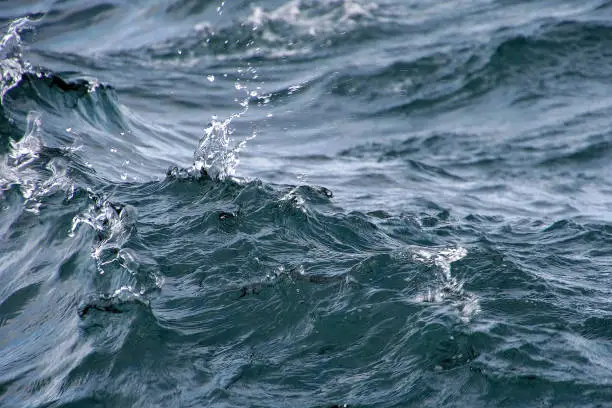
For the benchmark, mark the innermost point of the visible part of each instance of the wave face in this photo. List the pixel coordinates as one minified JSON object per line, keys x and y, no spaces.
{"x":336,"y":203}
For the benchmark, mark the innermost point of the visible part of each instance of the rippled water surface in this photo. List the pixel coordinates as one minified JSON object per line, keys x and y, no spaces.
{"x":306,"y":203}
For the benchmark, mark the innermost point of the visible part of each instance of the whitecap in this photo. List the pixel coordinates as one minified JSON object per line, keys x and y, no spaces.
{"x":12,"y":64}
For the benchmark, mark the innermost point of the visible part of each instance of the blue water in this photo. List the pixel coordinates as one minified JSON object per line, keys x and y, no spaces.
{"x":333,"y":203}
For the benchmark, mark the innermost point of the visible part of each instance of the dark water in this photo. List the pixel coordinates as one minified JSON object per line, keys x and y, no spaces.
{"x":306,"y":203}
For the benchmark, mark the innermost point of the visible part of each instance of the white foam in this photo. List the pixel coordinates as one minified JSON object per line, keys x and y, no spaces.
{"x":12,"y":65}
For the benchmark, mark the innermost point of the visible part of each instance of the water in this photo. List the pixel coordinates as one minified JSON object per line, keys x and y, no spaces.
{"x":306,"y":203}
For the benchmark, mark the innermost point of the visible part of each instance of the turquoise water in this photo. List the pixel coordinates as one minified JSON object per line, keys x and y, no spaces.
{"x":305,"y":204}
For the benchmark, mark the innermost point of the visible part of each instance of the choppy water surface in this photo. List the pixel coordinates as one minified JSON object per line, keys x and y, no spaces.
{"x":306,"y":203}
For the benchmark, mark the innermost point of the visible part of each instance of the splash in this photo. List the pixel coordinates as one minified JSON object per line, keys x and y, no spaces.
{"x":448,"y":286}
{"x":26,"y":150}
{"x":12,"y":64}
{"x":216,"y":156}
{"x":113,"y":252}
{"x":216,"y":153}
{"x":442,"y":258}
{"x":36,"y":177}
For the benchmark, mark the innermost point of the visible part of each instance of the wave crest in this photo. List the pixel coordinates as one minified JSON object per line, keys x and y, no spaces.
{"x":12,"y":64}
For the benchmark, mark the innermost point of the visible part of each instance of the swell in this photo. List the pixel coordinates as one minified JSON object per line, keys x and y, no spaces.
{"x":58,"y":20}
{"x":84,"y":104}
{"x":216,"y":243}
{"x":236,"y":292}
{"x":87,"y":116}
{"x":225,"y":286}
{"x":297,"y":31}
{"x":266,"y":283}
{"x":541,"y":64}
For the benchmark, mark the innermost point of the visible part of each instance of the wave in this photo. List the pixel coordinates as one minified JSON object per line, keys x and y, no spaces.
{"x":531,"y":66}
{"x":225,"y":286}
{"x":86,"y":115}
{"x":118,"y":244}
{"x":297,"y":30}
{"x":12,"y":64}
{"x":131,"y":253}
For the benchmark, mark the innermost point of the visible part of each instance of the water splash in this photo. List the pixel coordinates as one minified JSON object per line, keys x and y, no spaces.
{"x":26,"y":150}
{"x":215,"y":152}
{"x":447,"y":287}
{"x":12,"y":64}
{"x":441,"y":258}
{"x":115,"y":227}
{"x":37,"y":178}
